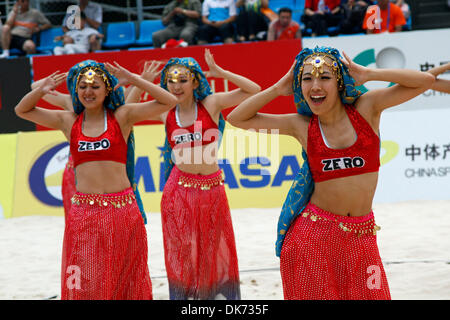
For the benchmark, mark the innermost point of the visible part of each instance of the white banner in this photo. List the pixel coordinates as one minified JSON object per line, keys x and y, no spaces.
{"x":415,"y":135}
{"x":416,"y":153}
{"x":418,"y":50}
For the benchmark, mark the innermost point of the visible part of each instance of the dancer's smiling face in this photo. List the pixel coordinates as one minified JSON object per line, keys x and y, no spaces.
{"x":319,"y":89}
{"x":181,"y":83}
{"x":92,"y":94}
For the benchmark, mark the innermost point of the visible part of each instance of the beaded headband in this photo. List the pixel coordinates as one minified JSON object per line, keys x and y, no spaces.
{"x":317,"y":62}
{"x":176,"y":73}
{"x":89,"y":74}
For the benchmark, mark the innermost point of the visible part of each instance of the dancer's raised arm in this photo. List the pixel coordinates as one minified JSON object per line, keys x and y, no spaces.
{"x":57,"y":98}
{"x":246,"y":115}
{"x":223,"y":100}
{"x":163,"y":100}
{"x":441,"y":85}
{"x":27,"y":109}
{"x":150,"y":73}
{"x":408,"y":84}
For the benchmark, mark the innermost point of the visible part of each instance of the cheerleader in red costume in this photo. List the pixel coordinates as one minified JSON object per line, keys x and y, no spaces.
{"x":199,"y":245}
{"x":105,"y":242}
{"x":63,"y":101}
{"x":327,"y":232}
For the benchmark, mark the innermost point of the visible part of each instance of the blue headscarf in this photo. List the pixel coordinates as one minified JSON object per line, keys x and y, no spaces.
{"x":114,"y":100}
{"x":201,"y":92}
{"x":303,"y":185}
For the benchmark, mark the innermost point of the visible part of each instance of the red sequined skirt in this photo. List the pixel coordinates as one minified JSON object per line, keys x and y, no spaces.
{"x":68,"y":188}
{"x":199,"y":245}
{"x":105,"y":249}
{"x":332,"y":257}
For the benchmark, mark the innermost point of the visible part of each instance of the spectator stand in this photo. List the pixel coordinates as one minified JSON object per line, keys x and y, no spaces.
{"x":298,"y":8}
{"x":306,"y":32}
{"x":131,"y":27}
{"x":14,"y":53}
{"x":276,"y":5}
{"x":120,"y":35}
{"x":297,"y":12}
{"x":146,"y":29}
{"x":46,"y":42}
{"x":408,"y":25}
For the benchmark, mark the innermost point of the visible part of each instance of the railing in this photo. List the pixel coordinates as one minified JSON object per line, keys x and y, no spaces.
{"x":58,"y":10}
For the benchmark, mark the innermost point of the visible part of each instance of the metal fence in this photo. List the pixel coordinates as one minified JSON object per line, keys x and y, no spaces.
{"x":113,"y":10}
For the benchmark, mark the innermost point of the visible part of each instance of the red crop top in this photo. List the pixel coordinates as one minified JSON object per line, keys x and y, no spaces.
{"x":361,"y":157}
{"x":198,"y":133}
{"x":109,"y":146}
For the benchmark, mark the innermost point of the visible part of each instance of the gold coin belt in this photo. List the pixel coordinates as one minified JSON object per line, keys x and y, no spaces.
{"x":361,"y":228}
{"x":101,"y":200}
{"x":202,"y":184}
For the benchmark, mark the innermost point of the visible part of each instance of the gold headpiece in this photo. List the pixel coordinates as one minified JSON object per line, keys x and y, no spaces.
{"x":176,"y":73}
{"x":89,"y":75}
{"x":317,"y":62}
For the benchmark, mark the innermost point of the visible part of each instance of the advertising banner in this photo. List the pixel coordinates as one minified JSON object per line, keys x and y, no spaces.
{"x":15,"y":80}
{"x":417,"y":50}
{"x":40,"y":161}
{"x":7,"y":173}
{"x":417,"y":156}
{"x":258,"y":167}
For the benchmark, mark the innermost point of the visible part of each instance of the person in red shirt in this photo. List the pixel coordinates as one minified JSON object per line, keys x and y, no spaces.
{"x":104,"y":255}
{"x":321,"y":14}
{"x":383,"y":17}
{"x":284,"y":28}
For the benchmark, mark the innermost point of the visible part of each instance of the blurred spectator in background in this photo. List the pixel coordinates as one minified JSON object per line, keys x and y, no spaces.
{"x":383,"y":17}
{"x":93,"y":12}
{"x":404,"y":6}
{"x":250,"y":20}
{"x":21,"y":24}
{"x":77,"y":40}
{"x":1,"y":27}
{"x":269,"y":14}
{"x":181,"y":18}
{"x":353,"y":15}
{"x":284,"y":27}
{"x":319,"y":15}
{"x":217,"y":18}
{"x":94,"y":19}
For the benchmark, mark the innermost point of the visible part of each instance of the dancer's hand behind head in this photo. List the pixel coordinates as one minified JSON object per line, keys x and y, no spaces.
{"x":284,"y":85}
{"x":50,"y":83}
{"x":356,"y":71}
{"x":150,"y":72}
{"x":123,"y":75}
{"x":214,"y":70}
{"x":443,"y":68}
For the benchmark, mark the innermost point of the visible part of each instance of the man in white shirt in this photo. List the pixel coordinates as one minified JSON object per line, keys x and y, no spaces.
{"x":94,"y":19}
{"x":217,"y":18}
{"x":77,"y":40}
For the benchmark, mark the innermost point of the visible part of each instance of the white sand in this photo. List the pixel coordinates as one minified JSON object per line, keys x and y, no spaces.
{"x":414,"y":244}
